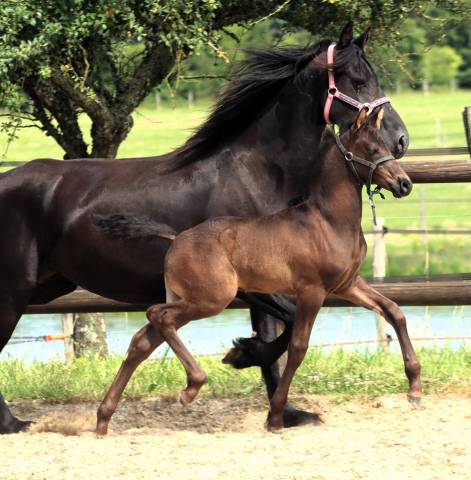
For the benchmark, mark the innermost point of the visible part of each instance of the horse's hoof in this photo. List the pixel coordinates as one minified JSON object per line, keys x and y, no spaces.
{"x":297,"y":418}
{"x":16,"y":426}
{"x":238,"y":356}
{"x":414,"y":400}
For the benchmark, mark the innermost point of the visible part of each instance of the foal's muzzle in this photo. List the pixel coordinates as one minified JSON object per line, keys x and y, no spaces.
{"x":401,"y":187}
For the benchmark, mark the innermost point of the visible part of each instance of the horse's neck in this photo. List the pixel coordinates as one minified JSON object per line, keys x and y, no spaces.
{"x":283,"y":144}
{"x":336,"y":193}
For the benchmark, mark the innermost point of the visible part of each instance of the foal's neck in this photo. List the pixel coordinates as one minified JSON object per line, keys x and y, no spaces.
{"x":335,"y":191}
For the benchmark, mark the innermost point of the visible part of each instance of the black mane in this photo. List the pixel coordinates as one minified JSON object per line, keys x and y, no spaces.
{"x":252,"y":90}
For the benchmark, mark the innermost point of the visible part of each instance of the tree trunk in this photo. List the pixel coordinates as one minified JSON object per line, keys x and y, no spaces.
{"x":90,"y":335}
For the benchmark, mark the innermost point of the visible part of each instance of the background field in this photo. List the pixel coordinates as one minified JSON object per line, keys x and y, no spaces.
{"x":433,"y":121}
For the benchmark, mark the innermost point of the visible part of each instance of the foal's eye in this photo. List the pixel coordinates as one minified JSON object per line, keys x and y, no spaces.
{"x":372,"y":151}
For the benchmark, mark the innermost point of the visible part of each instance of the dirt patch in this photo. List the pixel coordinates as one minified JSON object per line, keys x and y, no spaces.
{"x":225,"y":439}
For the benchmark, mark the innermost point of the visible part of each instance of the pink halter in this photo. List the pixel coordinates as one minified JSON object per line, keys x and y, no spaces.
{"x":335,"y":93}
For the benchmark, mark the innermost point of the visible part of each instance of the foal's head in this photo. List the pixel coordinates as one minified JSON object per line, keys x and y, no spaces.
{"x":365,"y":141}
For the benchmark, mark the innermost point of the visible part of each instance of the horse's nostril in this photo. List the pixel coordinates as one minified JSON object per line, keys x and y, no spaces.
{"x":402,"y":144}
{"x":406,"y":185}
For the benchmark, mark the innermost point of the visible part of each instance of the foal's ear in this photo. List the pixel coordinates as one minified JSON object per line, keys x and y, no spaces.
{"x":346,"y":36}
{"x":361,"y":119}
{"x":362,"y":40}
{"x":376,"y":117}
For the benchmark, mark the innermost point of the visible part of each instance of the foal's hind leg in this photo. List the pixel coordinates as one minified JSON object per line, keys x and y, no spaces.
{"x":167,"y":317}
{"x":143,"y":343}
{"x":366,"y":296}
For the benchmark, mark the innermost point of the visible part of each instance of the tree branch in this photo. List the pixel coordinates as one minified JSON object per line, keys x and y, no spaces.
{"x":68,"y":135}
{"x":155,"y":66}
{"x":95,"y":110}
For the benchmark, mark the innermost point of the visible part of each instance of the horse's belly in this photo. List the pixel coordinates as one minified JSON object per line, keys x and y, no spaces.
{"x":123,"y":269}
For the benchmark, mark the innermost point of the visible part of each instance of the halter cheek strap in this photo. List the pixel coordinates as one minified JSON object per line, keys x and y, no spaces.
{"x":334,"y":92}
{"x":351,"y":158}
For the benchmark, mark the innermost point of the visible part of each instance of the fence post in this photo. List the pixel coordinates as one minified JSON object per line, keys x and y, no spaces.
{"x":68,"y":330}
{"x":467,"y":126}
{"x":158,"y":100}
{"x":379,"y":271}
{"x":191,"y":98}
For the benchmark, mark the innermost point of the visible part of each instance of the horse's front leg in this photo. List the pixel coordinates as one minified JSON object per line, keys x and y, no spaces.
{"x":265,"y":326}
{"x":309,"y":301}
{"x":363,"y":294}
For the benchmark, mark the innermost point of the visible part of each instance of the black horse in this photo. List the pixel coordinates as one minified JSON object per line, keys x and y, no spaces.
{"x":93,"y":223}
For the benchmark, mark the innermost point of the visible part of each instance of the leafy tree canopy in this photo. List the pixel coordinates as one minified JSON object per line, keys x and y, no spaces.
{"x":62,"y":58}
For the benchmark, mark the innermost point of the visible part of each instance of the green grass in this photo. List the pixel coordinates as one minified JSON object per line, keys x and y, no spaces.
{"x":338,"y":372}
{"x":433,"y":121}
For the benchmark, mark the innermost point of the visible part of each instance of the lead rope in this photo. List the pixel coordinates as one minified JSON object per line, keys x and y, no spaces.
{"x":371,"y":201}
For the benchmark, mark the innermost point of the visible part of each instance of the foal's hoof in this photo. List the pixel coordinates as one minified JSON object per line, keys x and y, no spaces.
{"x":414,"y":399}
{"x":296,"y":418}
{"x":187,"y":396}
{"x":184,"y":399}
{"x":16,"y":426}
{"x":101,"y":431}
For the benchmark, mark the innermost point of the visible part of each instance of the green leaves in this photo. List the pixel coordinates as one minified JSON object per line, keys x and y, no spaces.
{"x":59,"y":58}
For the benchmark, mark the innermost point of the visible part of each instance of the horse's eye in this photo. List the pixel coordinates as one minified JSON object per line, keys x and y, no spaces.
{"x":372,"y":151}
{"x":357,"y":84}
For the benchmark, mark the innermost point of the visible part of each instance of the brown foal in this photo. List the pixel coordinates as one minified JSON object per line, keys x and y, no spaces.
{"x":309,"y":251}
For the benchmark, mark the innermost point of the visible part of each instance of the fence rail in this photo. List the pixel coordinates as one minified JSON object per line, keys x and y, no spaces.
{"x":418,"y":231}
{"x":414,"y":291}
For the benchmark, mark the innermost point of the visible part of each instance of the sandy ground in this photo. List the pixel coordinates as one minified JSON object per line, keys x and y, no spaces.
{"x":225,"y":439}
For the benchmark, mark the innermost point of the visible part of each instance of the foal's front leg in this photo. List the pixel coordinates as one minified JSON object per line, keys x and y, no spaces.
{"x":308,"y":302}
{"x":364,"y":295}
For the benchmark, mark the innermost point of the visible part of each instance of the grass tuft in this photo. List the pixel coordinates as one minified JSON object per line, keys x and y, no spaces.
{"x":340,"y":373}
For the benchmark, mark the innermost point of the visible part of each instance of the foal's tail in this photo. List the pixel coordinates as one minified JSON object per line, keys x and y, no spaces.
{"x":168,"y":235}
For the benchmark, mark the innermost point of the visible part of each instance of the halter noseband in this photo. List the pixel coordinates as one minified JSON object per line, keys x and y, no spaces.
{"x":334,"y":92}
{"x":351,"y":158}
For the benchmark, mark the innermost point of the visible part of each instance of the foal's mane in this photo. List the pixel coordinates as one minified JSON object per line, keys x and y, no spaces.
{"x":252,"y":90}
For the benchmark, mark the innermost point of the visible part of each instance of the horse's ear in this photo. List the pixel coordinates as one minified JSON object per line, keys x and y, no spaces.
{"x":376,"y":117}
{"x":362,"y":40}
{"x":361,"y":119}
{"x":346,"y":36}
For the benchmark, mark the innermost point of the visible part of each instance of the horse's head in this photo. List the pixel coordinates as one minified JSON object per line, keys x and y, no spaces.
{"x":355,"y":78}
{"x":365,"y":140}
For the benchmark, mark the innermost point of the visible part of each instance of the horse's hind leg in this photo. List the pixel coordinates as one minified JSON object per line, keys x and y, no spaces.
{"x":366,"y":296}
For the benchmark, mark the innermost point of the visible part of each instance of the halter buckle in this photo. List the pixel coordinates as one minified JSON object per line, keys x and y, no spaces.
{"x":333,"y":90}
{"x":368,"y":107}
{"x":349,"y":156}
